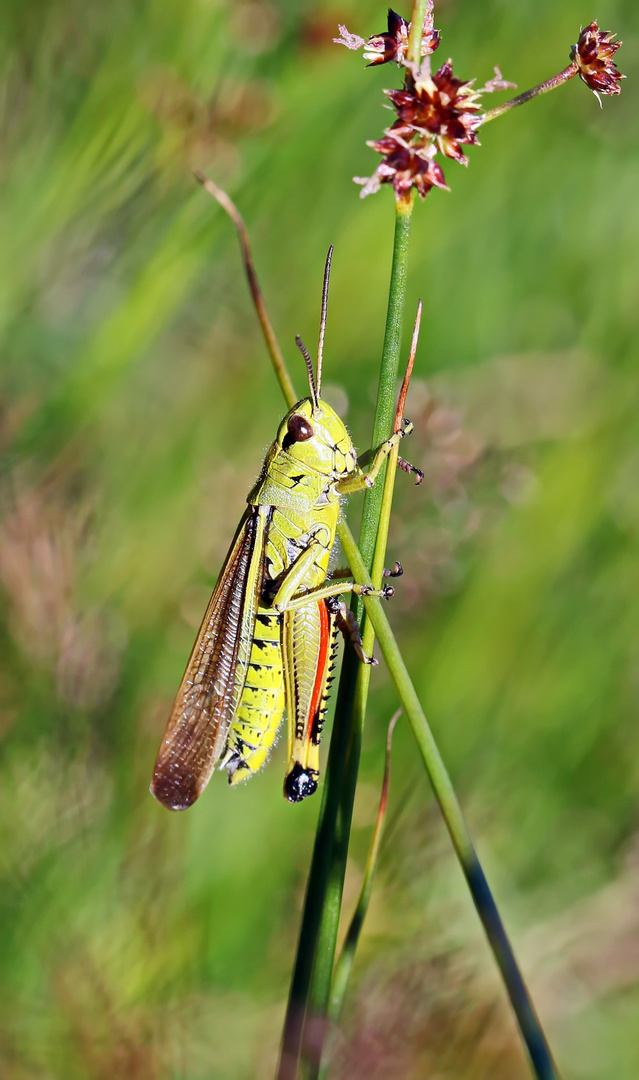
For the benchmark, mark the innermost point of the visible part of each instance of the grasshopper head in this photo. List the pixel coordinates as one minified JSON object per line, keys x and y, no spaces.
{"x":313,"y":435}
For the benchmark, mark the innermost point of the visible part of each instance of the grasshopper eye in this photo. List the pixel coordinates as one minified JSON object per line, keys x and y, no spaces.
{"x":299,"y":429}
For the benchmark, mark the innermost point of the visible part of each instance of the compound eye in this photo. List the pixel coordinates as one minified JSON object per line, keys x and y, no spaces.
{"x":299,"y":429}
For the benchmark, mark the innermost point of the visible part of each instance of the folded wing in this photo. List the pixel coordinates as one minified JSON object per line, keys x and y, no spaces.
{"x":196,"y":733}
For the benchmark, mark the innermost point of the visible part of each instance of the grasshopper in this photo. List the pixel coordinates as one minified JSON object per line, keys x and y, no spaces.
{"x":269,"y":635}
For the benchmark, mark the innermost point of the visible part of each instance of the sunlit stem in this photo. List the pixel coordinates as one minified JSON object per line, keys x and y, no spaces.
{"x":346,"y":959}
{"x":331,"y":849}
{"x":379,"y":557}
{"x":360,"y":675}
{"x":416,"y":31}
{"x":385,"y":407}
{"x":528,"y":95}
{"x":530,"y":1027}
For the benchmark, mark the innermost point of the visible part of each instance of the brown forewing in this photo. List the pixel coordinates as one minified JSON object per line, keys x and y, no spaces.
{"x":198,"y":725}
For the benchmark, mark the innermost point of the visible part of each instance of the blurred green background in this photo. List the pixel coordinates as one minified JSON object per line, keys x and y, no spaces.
{"x":136,"y":402}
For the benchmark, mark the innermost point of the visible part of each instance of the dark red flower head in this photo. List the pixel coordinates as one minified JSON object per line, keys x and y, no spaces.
{"x":393,"y":43}
{"x":441,"y":107}
{"x":593,"y":54}
{"x":404,"y":166}
{"x":434,"y":113}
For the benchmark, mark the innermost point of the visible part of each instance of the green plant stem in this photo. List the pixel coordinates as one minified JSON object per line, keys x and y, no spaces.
{"x":361,"y":677}
{"x":535,"y":91}
{"x":416,"y":30}
{"x":313,"y":968}
{"x":344,"y":964}
{"x":387,"y":387}
{"x":318,"y":936}
{"x":529,"y":1024}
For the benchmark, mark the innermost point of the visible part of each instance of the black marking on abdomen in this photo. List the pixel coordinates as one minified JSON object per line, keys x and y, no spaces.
{"x":266,"y":620}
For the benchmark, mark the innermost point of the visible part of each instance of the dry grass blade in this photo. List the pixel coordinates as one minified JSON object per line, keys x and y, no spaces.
{"x":401,"y":403}
{"x":231,"y":209}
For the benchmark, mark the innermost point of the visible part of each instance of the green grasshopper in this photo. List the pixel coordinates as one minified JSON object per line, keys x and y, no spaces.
{"x":269,"y":635}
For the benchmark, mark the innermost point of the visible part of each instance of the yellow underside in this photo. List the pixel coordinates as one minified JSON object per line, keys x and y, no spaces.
{"x":262,"y":701}
{"x":252,"y":732}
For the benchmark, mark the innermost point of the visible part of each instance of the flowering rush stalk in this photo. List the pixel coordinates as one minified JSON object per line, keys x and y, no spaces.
{"x":305,"y":1024}
{"x":437,"y":115}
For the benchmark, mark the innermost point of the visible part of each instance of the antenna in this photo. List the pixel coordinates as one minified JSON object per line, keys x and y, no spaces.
{"x":320,"y":346}
{"x":309,"y":367}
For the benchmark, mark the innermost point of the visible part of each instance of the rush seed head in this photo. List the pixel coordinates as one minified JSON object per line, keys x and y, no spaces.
{"x":392,"y":45}
{"x":439,"y":107}
{"x":441,"y":114}
{"x":405,"y":166}
{"x":593,"y":56}
{"x":435,"y":114}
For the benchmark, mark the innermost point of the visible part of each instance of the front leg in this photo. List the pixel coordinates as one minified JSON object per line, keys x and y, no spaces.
{"x":283,"y":603}
{"x":291,"y":592}
{"x":359,"y":480}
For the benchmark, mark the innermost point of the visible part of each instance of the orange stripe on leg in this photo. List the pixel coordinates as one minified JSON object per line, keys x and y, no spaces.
{"x":301,"y":779}
{"x":322,"y":661}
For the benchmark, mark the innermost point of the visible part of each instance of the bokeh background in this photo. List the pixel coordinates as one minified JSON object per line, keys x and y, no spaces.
{"x":136,"y":402}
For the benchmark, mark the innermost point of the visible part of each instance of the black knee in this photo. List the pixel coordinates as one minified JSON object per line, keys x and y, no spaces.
{"x":299,"y":783}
